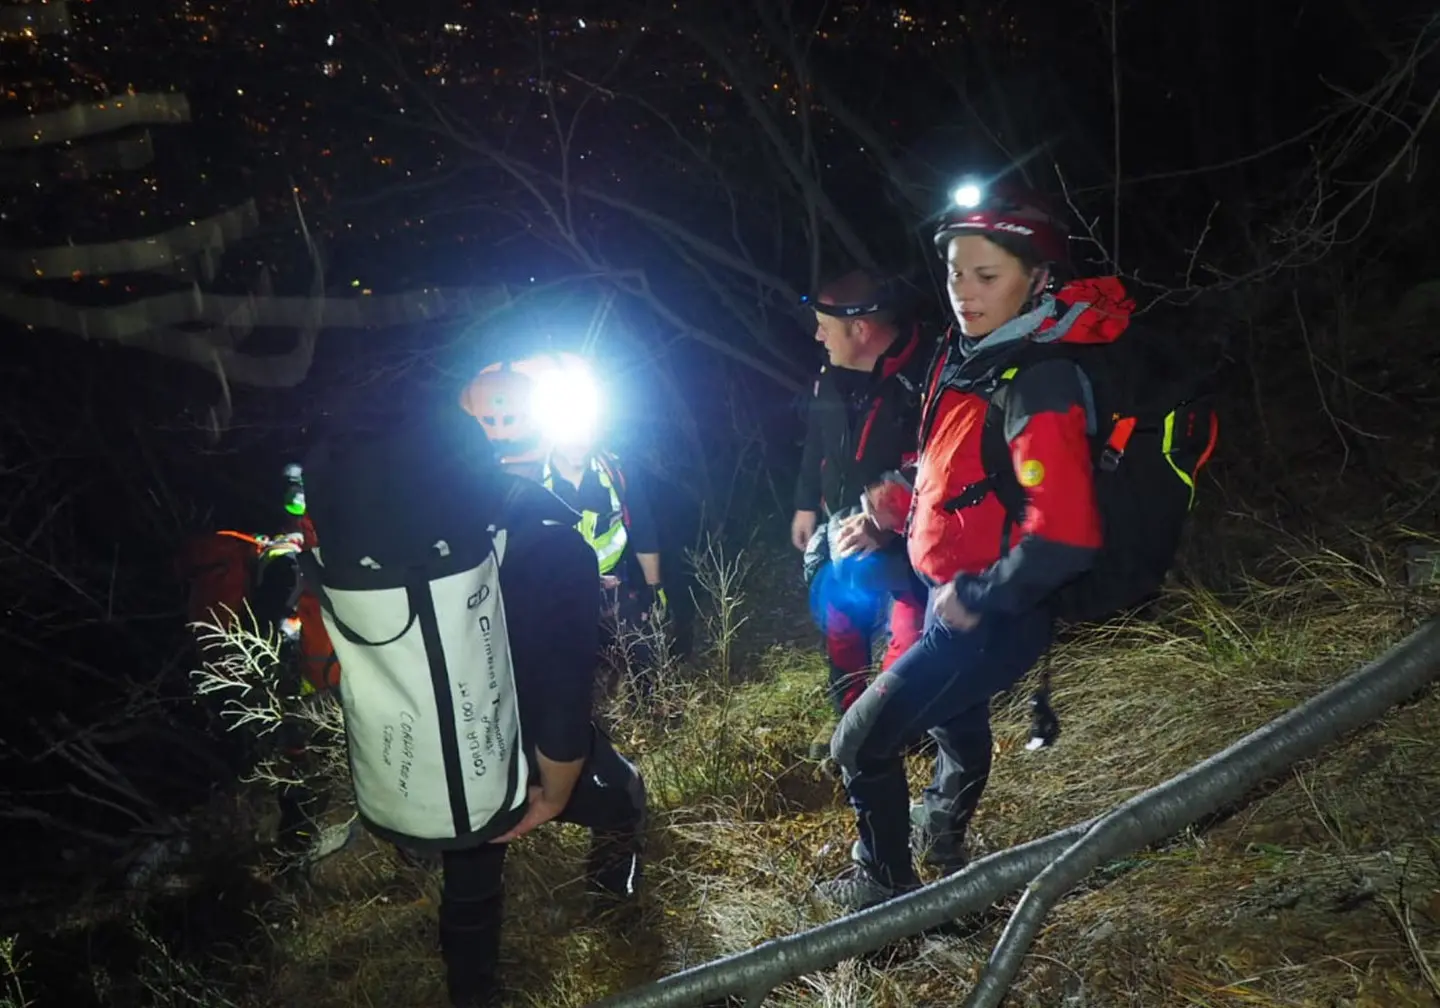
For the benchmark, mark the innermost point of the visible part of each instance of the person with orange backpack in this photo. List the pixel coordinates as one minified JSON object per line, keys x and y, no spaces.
{"x":243,"y":582}
{"x":1059,"y":448}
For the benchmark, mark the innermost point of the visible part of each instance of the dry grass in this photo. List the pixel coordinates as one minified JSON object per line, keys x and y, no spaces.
{"x":1322,"y":890}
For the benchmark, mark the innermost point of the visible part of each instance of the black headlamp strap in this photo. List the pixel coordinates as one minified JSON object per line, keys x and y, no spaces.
{"x":844,"y":310}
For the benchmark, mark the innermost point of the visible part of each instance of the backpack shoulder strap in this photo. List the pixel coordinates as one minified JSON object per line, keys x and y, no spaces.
{"x":995,"y":449}
{"x":613,"y":471}
{"x":525,"y":502}
{"x":936,"y":373}
{"x":1000,"y":478}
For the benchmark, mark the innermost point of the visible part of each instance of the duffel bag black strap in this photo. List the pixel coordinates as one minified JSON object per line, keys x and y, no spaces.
{"x":314,"y":581}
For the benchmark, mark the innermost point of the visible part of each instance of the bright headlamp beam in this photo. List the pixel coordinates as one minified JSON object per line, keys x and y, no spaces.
{"x":566,"y":406}
{"x":967,"y":196}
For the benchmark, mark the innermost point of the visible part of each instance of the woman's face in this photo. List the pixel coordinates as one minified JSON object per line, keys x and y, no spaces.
{"x":988,"y":285}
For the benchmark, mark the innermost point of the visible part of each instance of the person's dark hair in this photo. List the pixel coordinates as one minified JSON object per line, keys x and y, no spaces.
{"x":1060,"y":272}
{"x":861,"y":287}
{"x":1017,"y":247}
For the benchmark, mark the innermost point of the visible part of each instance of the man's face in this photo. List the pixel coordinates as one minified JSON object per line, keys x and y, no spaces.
{"x":843,"y":339}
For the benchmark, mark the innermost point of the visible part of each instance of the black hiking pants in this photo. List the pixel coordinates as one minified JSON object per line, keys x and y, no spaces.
{"x":943,"y":684}
{"x":609,"y":799}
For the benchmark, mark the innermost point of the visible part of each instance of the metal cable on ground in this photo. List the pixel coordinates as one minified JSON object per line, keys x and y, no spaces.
{"x":1207,"y":787}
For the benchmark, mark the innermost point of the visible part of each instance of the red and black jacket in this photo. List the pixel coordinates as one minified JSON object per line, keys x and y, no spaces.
{"x":859,"y":429}
{"x":995,"y":563}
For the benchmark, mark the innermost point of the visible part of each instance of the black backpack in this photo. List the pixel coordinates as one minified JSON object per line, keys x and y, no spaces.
{"x":412,"y":523}
{"x":1156,"y":428}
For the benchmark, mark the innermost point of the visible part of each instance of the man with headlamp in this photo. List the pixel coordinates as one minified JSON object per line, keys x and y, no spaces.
{"x":864,"y":414}
{"x":546,"y":410}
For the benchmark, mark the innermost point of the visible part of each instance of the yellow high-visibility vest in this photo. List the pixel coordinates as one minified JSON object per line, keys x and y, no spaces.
{"x":610,"y":544}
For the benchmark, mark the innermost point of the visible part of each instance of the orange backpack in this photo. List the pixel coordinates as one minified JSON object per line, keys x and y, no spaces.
{"x":223,"y":571}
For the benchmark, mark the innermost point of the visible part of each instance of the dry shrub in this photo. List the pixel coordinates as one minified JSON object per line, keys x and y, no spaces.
{"x":1319,"y":890}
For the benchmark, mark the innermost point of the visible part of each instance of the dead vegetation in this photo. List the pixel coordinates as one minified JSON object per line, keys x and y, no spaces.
{"x":1319,"y":890}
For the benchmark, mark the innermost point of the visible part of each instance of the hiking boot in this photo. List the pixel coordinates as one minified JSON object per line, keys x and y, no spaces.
{"x":614,"y":871}
{"x":820,"y":744}
{"x":946,"y":854}
{"x":297,"y":828}
{"x":858,"y":890}
{"x":947,"y":858}
{"x":333,"y":839}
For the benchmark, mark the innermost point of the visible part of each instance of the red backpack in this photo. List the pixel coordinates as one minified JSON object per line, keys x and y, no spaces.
{"x":219,"y":571}
{"x":230,"y":574}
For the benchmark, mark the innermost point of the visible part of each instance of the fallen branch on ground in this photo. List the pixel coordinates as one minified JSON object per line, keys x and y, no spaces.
{"x":1355,"y":701}
{"x":1050,"y":867}
{"x":760,"y":970}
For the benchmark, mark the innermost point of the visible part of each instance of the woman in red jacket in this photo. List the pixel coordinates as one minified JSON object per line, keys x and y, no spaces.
{"x":990,"y":577}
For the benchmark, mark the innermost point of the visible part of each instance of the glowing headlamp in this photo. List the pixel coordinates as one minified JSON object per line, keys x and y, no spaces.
{"x":295,"y":490}
{"x":566,"y":405}
{"x":968,"y":196}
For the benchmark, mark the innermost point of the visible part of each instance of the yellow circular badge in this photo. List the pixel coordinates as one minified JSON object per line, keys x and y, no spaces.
{"x":1032,"y":473}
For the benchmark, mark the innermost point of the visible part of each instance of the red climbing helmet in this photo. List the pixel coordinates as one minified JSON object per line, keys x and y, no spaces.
{"x":1022,"y":216}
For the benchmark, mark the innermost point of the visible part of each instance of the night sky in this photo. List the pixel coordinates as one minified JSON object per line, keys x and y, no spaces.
{"x":381,"y":117}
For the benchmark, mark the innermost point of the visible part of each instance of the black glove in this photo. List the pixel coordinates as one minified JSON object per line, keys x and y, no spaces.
{"x":654,"y":600}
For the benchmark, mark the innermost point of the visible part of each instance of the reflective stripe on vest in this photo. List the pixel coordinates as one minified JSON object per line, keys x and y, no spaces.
{"x":272,"y":550}
{"x":610,"y":544}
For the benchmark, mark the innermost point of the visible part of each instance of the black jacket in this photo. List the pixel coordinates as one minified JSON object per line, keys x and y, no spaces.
{"x":552,"y":619}
{"x":642,"y":533}
{"x":862,"y":426}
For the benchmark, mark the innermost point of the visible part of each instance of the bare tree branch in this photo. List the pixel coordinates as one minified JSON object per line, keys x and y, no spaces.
{"x":748,"y":87}
{"x":104,"y":116}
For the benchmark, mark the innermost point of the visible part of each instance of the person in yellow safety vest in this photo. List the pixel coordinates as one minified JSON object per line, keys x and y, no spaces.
{"x":561,"y":454}
{"x":614,"y":518}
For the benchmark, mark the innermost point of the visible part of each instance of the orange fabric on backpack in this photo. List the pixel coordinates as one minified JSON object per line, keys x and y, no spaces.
{"x":219,"y":569}
{"x":318,"y":664}
{"x":319,"y":667}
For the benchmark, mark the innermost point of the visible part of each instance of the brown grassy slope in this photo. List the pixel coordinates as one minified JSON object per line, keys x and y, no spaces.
{"x":1321,"y":891}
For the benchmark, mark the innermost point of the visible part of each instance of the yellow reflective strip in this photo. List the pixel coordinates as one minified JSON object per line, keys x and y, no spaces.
{"x":1167,"y":443}
{"x":609,"y":563}
{"x":1009,"y":373}
{"x":586,"y":525}
{"x":611,"y":545}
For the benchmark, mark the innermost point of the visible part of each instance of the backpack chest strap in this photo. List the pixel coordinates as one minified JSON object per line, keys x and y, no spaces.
{"x":999,"y":478}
